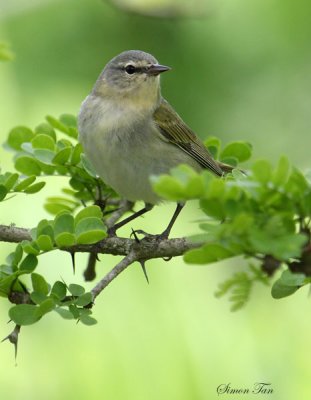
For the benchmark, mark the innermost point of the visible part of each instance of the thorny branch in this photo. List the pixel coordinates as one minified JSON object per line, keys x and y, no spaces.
{"x":147,"y":249}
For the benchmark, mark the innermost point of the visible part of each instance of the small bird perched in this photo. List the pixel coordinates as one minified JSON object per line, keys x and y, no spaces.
{"x":129,"y":132}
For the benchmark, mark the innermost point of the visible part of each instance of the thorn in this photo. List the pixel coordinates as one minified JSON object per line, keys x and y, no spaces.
{"x":142,"y":263}
{"x":73,"y":261}
{"x":136,"y":238}
{"x":13,"y":338}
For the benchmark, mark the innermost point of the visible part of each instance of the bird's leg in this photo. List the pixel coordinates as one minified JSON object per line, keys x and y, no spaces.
{"x":115,"y":227}
{"x":165,"y":234}
{"x":167,"y":231}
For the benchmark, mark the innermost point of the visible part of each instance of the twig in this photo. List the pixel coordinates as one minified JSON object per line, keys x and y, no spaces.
{"x":124,"y":207}
{"x":121,"y":266}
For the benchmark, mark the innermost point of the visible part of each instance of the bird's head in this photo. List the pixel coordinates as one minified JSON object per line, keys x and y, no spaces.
{"x":132,"y":76}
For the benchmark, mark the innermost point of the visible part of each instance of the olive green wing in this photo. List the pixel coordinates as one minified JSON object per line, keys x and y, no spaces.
{"x":174,"y":130}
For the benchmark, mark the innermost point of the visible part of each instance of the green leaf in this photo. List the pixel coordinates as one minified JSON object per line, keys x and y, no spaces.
{"x":42,"y":141}
{"x":281,"y":173}
{"x":68,"y":120}
{"x":44,"y":242}
{"x":230,"y":161}
{"x":3,"y":192}
{"x":209,"y":253}
{"x":24,"y":183}
{"x":213,"y":144}
{"x":84,"y":299}
{"x":55,"y":123}
{"x":9,"y":284}
{"x":34,"y":188}
{"x":63,"y":222}
{"x":24,"y":314}
{"x":262,"y":171}
{"x":66,"y":314}
{"x":64,"y":230}
{"x":59,"y":290}
{"x":289,"y":278}
{"x":90,"y":211}
{"x":242,"y":151}
{"x":62,"y":156}
{"x":63,"y":144}
{"x":19,"y":135}
{"x":88,"y":166}
{"x":66,"y":124}
{"x":167,"y":187}
{"x":17,"y":255}
{"x":213,"y":208}
{"x":28,"y":264}
{"x":87,"y":320}
{"x":90,"y":230}
{"x":76,"y":154}
{"x":46,"y":306}
{"x":65,"y":239}
{"x":11,"y":181}
{"x":30,"y":247}
{"x":46,"y":129}
{"x":45,"y":156}
{"x":56,"y":208}
{"x":27,"y":165}
{"x":38,"y":297}
{"x":287,"y":284}
{"x":282,"y":247}
{"x":39,"y":284}
{"x":278,"y":290}
{"x":76,"y":290}
{"x":44,"y":228}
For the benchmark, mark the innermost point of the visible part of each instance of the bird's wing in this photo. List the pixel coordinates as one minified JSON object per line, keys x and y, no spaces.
{"x":174,"y":130}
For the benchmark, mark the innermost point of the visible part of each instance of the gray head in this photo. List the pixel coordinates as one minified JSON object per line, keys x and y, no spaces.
{"x":132,"y":74}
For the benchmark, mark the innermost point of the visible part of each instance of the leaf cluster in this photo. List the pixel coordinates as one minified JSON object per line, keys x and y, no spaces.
{"x":70,"y":302}
{"x":52,"y":149}
{"x":12,"y":183}
{"x":63,"y":231}
{"x":261,"y":215}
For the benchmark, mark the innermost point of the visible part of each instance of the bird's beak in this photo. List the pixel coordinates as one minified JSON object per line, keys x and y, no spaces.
{"x":156,"y":69}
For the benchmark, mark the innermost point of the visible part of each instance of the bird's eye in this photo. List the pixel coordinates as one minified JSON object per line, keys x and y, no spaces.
{"x":130,"y":69}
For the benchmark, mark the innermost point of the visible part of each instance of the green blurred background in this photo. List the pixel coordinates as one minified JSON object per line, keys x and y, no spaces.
{"x":241,"y":70}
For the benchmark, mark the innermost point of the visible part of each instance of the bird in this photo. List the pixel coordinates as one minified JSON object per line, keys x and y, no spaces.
{"x":129,"y":132}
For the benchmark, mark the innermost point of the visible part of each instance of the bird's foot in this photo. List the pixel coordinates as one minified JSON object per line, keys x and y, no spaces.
{"x":146,"y":236}
{"x":149,"y":236}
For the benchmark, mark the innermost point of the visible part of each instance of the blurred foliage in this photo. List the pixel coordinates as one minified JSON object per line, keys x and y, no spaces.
{"x":164,"y":8}
{"x":240,"y":72}
{"x":5,"y":52}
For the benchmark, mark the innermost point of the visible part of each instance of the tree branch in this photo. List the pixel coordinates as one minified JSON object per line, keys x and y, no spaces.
{"x":13,"y":234}
{"x":149,"y":247}
{"x":132,"y":250}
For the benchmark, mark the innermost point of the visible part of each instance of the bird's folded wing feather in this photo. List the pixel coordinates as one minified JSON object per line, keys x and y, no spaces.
{"x":174,"y":130}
